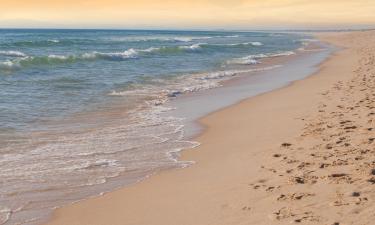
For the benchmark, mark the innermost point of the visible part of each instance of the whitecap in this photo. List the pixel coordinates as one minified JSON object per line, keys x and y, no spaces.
{"x":8,"y":65}
{"x":256,"y":43}
{"x":54,"y":40}
{"x":13,"y":53}
{"x":61,"y":57}
{"x":228,"y":36}
{"x":128,"y":54}
{"x":151,"y":49}
{"x":247,"y":60}
{"x":253,"y":59}
{"x":192,"y":47}
{"x":240,"y":44}
{"x":159,"y":38}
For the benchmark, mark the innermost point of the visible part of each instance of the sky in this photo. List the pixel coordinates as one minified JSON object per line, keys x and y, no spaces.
{"x":188,"y":14}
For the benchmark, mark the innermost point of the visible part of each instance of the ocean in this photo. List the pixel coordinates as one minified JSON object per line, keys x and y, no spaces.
{"x":81,"y":110}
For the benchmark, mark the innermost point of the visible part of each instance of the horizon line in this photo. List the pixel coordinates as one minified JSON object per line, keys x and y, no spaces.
{"x":195,"y":29}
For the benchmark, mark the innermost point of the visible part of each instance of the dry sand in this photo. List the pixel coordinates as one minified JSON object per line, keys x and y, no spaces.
{"x":301,"y":154}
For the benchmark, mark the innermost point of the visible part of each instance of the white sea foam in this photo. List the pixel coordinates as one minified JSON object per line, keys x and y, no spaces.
{"x":128,"y":54}
{"x":151,"y":49}
{"x":13,"y":53}
{"x":9,"y":65}
{"x":102,"y":163}
{"x":193,"y":47}
{"x":23,"y":59}
{"x":287,"y":53}
{"x":184,"y":84}
{"x":256,"y":43}
{"x":96,"y":181}
{"x":60,"y":57}
{"x":52,"y":59}
{"x":5,"y":214}
{"x":240,"y":44}
{"x":247,"y":60}
{"x":54,"y":40}
{"x":160,"y":38}
{"x":189,"y":39}
{"x":254,"y":59}
{"x":228,"y":36}
{"x":145,"y":141}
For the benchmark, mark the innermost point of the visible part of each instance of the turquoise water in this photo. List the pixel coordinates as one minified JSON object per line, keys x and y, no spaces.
{"x":81,"y":110}
{"x":50,"y":73}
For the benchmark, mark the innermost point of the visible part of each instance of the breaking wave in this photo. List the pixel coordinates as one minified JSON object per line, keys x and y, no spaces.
{"x":254,"y":59}
{"x":12,"y":53}
{"x":27,"y":61}
{"x":158,"y":38}
{"x":167,"y":38}
{"x":22,"y":60}
{"x":255,"y":43}
{"x":41,"y":43}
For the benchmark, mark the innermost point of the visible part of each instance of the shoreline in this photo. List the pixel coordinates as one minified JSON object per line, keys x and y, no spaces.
{"x":270,"y":75}
{"x":95,"y":186}
{"x":216,"y":189}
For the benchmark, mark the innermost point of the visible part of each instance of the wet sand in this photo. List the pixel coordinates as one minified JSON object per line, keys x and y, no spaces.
{"x":301,"y":154}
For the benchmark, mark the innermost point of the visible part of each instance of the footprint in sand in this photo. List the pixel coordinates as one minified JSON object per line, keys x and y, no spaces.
{"x":294,"y":196}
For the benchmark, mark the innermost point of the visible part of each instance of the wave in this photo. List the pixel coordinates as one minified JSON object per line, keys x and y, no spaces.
{"x":255,"y":43}
{"x":159,"y":38}
{"x":199,"y":46}
{"x":287,"y":53}
{"x":33,"y":61}
{"x":248,"y":60}
{"x":12,"y":53}
{"x":228,"y":36}
{"x":117,"y":56}
{"x":168,"y":38}
{"x":23,"y":60}
{"x":189,"y":48}
{"x":193,"y":47}
{"x":64,"y":42}
{"x":53,"y":40}
{"x":134,"y":53}
{"x":8,"y":65}
{"x":254,"y":59}
{"x":40,"y":43}
{"x":184,"y":84}
{"x":28,"y":61}
{"x":172,"y":49}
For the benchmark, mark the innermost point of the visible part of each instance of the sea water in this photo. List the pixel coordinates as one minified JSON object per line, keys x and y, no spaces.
{"x":82,"y":112}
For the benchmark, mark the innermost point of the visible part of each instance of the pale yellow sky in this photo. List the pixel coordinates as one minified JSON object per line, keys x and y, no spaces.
{"x":237,"y":14}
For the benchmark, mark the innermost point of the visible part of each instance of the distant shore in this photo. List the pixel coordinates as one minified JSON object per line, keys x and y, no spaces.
{"x":301,"y":154}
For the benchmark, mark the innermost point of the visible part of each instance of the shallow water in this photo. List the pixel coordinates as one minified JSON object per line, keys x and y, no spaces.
{"x":83,"y":112}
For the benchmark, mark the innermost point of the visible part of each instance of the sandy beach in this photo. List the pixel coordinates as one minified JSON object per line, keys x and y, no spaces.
{"x":301,"y":154}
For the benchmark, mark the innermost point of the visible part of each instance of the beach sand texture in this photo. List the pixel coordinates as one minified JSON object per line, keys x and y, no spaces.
{"x":302,"y":154}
